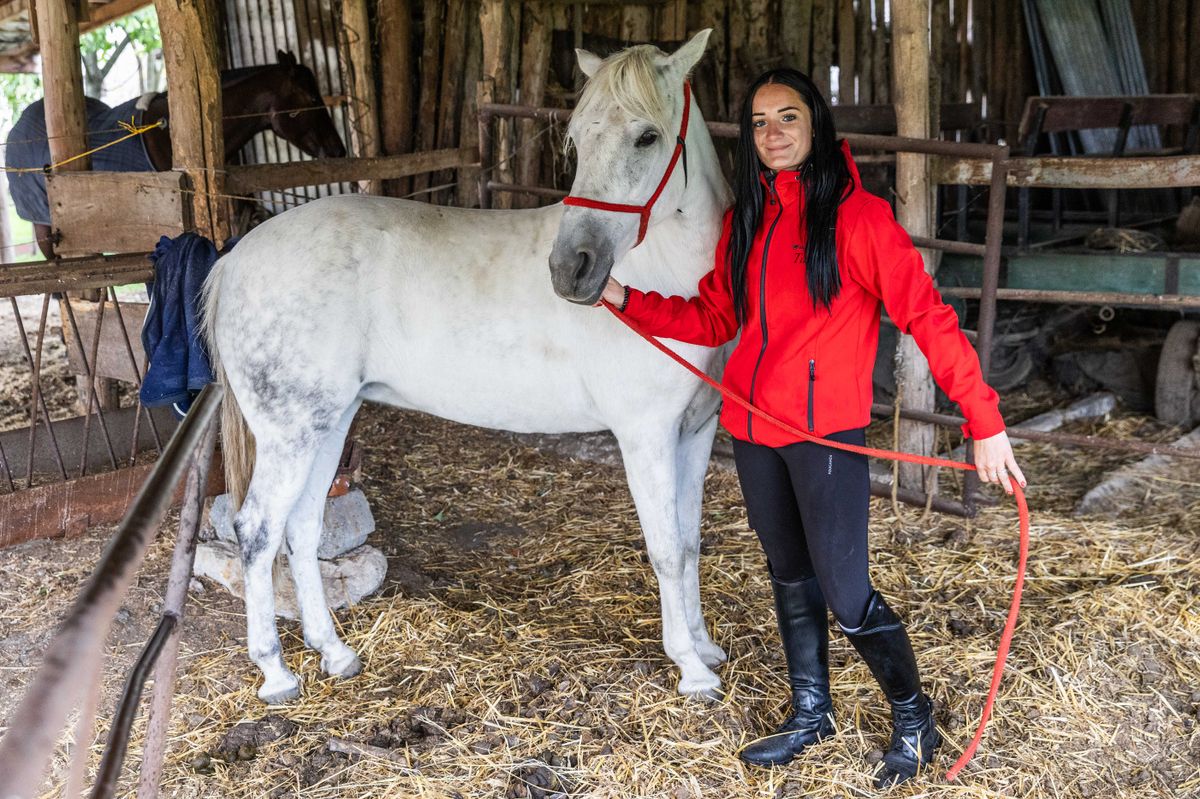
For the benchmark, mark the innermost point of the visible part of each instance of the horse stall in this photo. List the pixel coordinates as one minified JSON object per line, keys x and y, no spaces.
{"x":497,"y":593}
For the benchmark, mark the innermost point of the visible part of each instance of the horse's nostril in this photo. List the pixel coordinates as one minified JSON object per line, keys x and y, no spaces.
{"x":585,"y":263}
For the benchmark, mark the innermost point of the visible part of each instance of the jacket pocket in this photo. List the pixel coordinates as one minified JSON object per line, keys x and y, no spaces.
{"x":812,"y":381}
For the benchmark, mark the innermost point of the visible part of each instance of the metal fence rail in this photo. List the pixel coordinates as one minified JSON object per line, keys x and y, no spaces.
{"x":69,"y":676}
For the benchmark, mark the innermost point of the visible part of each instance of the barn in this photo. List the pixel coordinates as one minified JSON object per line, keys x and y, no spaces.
{"x":378,"y":186}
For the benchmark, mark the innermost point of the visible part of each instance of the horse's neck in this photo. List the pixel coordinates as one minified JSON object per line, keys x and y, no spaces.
{"x":246,"y":107}
{"x":678,"y":251}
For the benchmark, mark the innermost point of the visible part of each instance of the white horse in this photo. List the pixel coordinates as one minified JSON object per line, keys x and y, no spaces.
{"x":450,"y":311}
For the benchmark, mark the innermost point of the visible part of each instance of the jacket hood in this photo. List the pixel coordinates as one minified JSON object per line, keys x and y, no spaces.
{"x":786,"y":177}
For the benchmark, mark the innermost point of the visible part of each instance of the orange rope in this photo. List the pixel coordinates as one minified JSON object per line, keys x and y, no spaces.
{"x":1019,"y":495}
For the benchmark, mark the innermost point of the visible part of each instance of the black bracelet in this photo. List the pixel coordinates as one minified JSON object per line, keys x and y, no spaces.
{"x":624,"y":302}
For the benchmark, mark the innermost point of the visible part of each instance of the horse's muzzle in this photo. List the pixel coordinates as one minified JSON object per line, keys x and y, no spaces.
{"x":579,"y":274}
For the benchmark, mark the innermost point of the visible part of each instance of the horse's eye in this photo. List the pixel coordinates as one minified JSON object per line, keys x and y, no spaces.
{"x":647,"y":138}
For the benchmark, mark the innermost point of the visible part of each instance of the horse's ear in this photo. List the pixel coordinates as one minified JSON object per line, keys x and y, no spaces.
{"x":589,"y":62}
{"x":286,"y":58}
{"x":687,"y":56}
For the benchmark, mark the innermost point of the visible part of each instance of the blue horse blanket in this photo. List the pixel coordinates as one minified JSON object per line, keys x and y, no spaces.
{"x":28,"y":147}
{"x":179,"y":366}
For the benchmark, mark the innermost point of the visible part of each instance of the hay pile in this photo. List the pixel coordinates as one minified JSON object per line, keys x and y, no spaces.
{"x":515,"y":652}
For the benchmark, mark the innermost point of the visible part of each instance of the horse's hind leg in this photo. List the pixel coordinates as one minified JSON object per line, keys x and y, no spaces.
{"x":303,"y":537}
{"x":693,"y":455}
{"x":280,"y":475}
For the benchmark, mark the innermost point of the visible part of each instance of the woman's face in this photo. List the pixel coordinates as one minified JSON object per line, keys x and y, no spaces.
{"x":782,"y":126}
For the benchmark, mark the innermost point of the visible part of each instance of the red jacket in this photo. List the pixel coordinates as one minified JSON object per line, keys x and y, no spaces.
{"x":812,"y":367}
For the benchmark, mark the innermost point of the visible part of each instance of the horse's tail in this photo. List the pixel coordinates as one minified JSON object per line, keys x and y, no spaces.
{"x":237,"y":442}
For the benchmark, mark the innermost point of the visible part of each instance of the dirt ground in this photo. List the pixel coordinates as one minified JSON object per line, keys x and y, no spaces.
{"x":514,"y":648}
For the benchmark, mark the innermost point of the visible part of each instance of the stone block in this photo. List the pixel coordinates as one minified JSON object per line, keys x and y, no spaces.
{"x":348,"y":522}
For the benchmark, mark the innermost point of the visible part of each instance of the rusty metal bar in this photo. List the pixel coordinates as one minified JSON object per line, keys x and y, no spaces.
{"x":173,"y":606}
{"x":1168,"y":301}
{"x":79,"y":642}
{"x":45,"y":408}
{"x":137,"y":371}
{"x":87,"y":367}
{"x":118,"y":735}
{"x":1062,"y":439}
{"x":486,"y":162}
{"x":37,"y":385}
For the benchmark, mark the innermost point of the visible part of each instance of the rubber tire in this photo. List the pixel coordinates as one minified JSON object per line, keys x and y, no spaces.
{"x":1175,"y":394}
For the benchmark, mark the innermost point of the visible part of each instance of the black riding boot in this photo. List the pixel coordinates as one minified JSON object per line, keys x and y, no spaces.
{"x":884,"y":645}
{"x":804,"y":628}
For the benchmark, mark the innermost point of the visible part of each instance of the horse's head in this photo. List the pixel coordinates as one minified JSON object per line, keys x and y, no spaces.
{"x":624,"y":132}
{"x":298,"y":112}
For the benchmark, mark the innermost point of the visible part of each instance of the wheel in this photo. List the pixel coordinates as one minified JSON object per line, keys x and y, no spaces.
{"x":1175,"y":391}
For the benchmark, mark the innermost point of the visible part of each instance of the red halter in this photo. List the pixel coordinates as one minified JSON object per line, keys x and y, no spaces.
{"x":643,"y":211}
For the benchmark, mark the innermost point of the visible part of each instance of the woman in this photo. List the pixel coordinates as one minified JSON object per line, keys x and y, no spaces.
{"x":805,"y":258}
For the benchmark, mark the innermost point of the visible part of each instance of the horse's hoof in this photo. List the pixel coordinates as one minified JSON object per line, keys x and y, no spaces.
{"x":280,"y":693}
{"x":711,"y":655}
{"x":706,"y":690}
{"x":344,"y":664}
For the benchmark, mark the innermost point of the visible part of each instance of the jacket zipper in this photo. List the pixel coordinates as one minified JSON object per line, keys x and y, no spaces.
{"x":762,"y":304}
{"x":812,"y":379}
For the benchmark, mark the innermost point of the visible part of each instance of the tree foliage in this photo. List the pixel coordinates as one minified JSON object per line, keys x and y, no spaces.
{"x":99,"y":49}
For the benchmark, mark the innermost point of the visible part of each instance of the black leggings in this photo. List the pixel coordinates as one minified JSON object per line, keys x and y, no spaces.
{"x":808,"y":504}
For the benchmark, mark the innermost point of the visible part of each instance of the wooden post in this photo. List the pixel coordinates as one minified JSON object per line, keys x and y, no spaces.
{"x":822,"y":44}
{"x":190,"y":35}
{"x":914,"y":211}
{"x":637,"y":23}
{"x":62,"y":77}
{"x":535,"y":67}
{"x":846,"y":55}
{"x":467,"y":192}
{"x":66,"y":125}
{"x":450,"y":98}
{"x":431,"y":53}
{"x":495,"y":24}
{"x":880,"y":46}
{"x":395,"y":80}
{"x":795,"y":32}
{"x":714,"y":14}
{"x":359,"y":80}
{"x":866,"y":42}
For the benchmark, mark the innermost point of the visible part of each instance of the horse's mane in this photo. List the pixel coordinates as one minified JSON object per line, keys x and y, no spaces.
{"x":627,"y":79}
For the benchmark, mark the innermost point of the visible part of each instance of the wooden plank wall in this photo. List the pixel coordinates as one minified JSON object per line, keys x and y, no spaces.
{"x":432,"y":56}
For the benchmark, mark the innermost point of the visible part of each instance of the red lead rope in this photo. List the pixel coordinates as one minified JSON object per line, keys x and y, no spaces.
{"x":1022,"y":508}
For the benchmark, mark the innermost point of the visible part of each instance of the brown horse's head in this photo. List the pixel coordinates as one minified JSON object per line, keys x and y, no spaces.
{"x":299,"y":114}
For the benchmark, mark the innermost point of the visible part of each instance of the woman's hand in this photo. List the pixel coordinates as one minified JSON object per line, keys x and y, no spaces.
{"x":614,"y":292}
{"x":995,"y":462}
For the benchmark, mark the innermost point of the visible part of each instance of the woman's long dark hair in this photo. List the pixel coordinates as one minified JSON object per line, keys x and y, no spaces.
{"x":826,"y":179}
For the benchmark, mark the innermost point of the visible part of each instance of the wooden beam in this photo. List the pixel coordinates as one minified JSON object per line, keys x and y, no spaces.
{"x":112,"y":355}
{"x":64,"y":274}
{"x":190,"y":36}
{"x":450,"y":95}
{"x":275,"y":177}
{"x":1179,"y":171}
{"x":431,"y":55}
{"x":359,"y":79}
{"x":846,"y":53}
{"x":153,"y":204}
{"x":914,"y":212}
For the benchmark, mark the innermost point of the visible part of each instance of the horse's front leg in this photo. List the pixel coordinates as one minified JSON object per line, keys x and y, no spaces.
{"x":694,"y":451}
{"x":651,"y":466}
